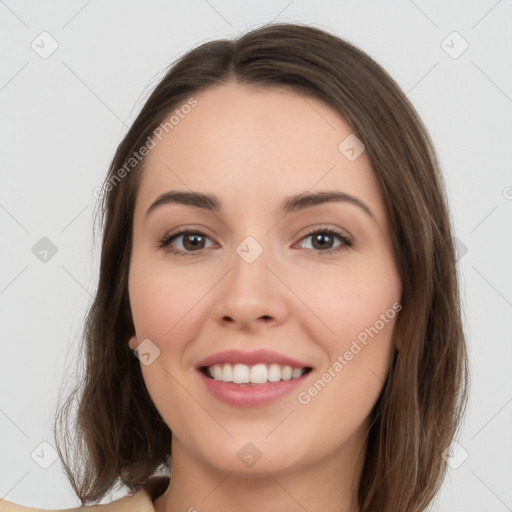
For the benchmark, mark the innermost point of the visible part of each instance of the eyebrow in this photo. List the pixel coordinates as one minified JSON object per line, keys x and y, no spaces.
{"x":293,"y":203}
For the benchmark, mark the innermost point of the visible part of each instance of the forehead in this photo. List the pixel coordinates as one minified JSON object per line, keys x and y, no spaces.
{"x":256,"y":144}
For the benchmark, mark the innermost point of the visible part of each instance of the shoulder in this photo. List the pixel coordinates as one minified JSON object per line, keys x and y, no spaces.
{"x":140,"y":501}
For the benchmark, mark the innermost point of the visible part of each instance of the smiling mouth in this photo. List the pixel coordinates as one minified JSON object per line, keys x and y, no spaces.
{"x":255,"y":374}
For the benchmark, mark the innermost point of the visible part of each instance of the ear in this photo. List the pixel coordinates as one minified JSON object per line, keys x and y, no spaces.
{"x":133,"y":342}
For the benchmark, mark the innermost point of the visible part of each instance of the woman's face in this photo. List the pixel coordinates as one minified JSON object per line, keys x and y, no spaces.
{"x":312,"y":284}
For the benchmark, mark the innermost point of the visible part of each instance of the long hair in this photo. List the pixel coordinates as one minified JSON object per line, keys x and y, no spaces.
{"x":119,"y":436}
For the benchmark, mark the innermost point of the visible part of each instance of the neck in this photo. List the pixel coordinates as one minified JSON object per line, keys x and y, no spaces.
{"x":328,"y":485}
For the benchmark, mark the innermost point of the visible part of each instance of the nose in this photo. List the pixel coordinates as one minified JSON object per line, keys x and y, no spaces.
{"x":251,"y":295}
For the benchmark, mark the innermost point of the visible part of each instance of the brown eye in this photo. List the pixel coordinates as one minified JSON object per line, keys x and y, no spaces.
{"x":193,"y":241}
{"x":322,"y":241}
{"x":187,"y":242}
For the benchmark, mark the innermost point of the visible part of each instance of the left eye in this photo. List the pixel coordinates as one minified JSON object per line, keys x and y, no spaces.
{"x":325,"y":237}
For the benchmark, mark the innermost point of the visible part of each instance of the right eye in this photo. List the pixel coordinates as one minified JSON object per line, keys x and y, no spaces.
{"x":192,"y":242}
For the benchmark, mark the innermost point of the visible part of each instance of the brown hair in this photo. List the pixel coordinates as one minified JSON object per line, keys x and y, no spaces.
{"x":121,"y":435}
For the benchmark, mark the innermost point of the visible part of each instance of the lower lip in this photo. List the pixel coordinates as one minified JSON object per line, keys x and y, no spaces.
{"x":251,"y":395}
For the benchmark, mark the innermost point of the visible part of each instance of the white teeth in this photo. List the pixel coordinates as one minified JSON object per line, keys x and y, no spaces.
{"x":240,"y":374}
{"x":286,"y":373}
{"x":257,"y":374}
{"x":217,"y":372}
{"x":274,"y":373}
{"x":227,"y":373}
{"x":297,"y":372}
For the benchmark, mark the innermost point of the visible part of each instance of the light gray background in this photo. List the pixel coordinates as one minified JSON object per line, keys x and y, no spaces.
{"x":63,"y":116}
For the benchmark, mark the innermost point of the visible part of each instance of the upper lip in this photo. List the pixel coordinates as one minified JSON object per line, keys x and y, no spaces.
{"x":250,"y":358}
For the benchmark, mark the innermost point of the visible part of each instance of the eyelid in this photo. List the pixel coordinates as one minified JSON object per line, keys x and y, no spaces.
{"x":315,"y":228}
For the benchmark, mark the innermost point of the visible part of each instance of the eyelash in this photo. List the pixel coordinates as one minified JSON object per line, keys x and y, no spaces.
{"x":347,"y":241}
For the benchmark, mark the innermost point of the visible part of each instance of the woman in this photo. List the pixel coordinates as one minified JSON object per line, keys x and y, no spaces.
{"x":277,"y":289}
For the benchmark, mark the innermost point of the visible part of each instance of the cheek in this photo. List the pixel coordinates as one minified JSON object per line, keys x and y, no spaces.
{"x":343,"y":302}
{"x":163,"y":302}
{"x":360,"y":305}
{"x":347,"y":387}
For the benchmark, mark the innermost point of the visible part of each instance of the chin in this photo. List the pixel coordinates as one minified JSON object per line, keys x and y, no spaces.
{"x":248,"y":458}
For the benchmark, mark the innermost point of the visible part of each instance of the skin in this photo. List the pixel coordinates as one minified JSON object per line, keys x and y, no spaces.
{"x":252,"y":148}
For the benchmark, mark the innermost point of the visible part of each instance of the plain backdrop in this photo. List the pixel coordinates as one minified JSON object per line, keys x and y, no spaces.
{"x":63,"y":114}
